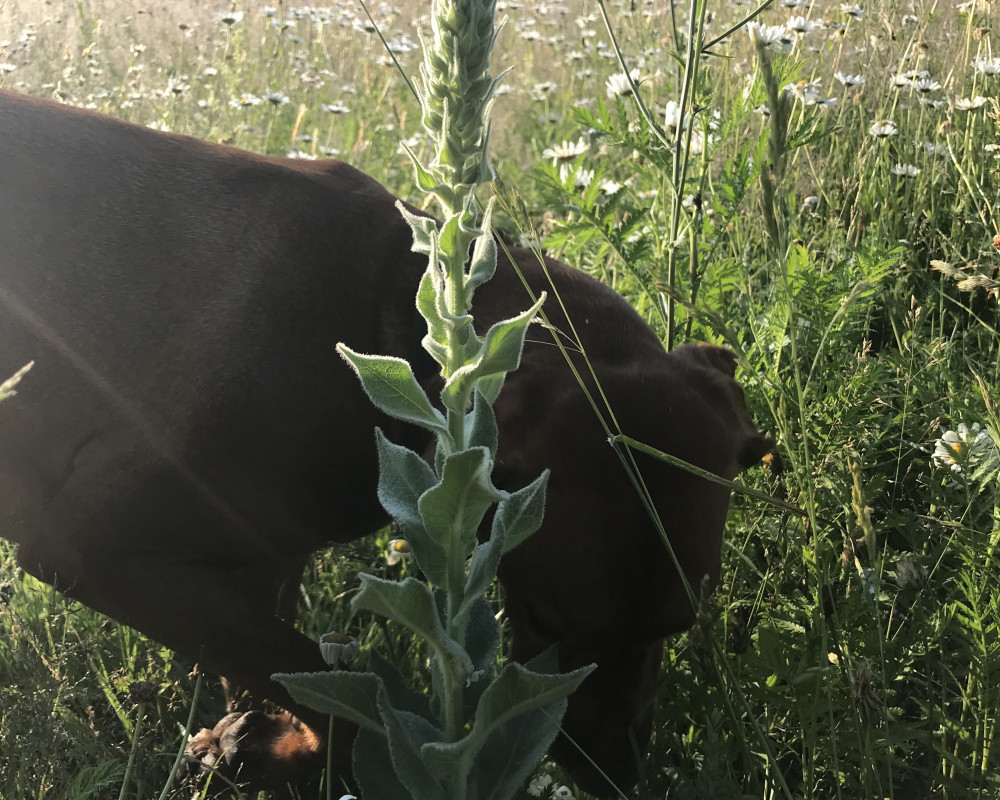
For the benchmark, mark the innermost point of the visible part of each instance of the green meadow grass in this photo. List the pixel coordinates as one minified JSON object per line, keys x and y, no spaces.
{"x":852,"y":650}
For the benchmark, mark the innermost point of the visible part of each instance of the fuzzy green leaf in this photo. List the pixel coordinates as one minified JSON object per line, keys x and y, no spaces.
{"x":372,"y":768}
{"x":452,"y":510}
{"x":403,"y":477}
{"x":410,"y":603}
{"x":482,"y":571}
{"x":424,"y":229}
{"x":390,"y":385}
{"x":490,"y":386}
{"x":401,"y":696}
{"x":422,"y":177}
{"x":512,"y":752}
{"x":520,"y":515}
{"x":484,"y":256}
{"x":481,"y":425}
{"x":406,"y":733}
{"x":350,"y":695}
{"x":516,"y":691}
{"x":430,"y":305}
{"x":499,"y":354}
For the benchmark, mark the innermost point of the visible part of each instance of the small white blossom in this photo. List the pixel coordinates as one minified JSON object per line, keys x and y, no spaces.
{"x":399,"y":550}
{"x":539,"y":784}
{"x":769,"y":35}
{"x":905,"y":170}
{"x":964,"y":447}
{"x":806,"y":91}
{"x":800,"y":25}
{"x":925,"y":85}
{"x":881,"y":130}
{"x":229,"y":17}
{"x":969,"y":103}
{"x":849,"y":80}
{"x":245,"y":100}
{"x":672,"y":116}
{"x":610,"y":187}
{"x":580,"y":178}
{"x":618,"y":84}
{"x":566,"y":151}
{"x":988,"y":66}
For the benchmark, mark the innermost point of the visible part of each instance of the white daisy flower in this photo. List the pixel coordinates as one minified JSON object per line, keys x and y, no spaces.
{"x":883,"y":129}
{"x":969,"y":103}
{"x":399,"y":550}
{"x":770,"y":35}
{"x":925,"y":85}
{"x":229,"y":17}
{"x":566,"y":151}
{"x":849,"y":80}
{"x":988,"y":66}
{"x":806,"y":91}
{"x":964,"y":447}
{"x":800,"y":25}
{"x":538,"y":785}
{"x":618,"y":84}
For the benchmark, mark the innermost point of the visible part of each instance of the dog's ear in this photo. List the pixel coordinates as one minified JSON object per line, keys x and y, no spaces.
{"x":752,"y":446}
{"x":721,"y":358}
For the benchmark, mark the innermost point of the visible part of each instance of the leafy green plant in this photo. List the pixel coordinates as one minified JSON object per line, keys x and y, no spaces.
{"x":482,"y":729}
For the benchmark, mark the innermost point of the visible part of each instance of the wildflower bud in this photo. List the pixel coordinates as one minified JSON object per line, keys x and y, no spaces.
{"x":337,"y":648}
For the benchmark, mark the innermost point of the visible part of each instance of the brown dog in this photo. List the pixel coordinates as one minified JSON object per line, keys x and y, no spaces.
{"x":188,"y":435}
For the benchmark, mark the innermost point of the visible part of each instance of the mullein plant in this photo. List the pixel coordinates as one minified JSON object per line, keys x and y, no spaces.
{"x":482,"y":727}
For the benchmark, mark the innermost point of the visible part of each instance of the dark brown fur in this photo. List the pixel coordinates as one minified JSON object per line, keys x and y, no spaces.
{"x":189,"y":436}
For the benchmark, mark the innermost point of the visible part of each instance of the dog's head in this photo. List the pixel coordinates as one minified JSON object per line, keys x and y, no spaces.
{"x":597,"y":579}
